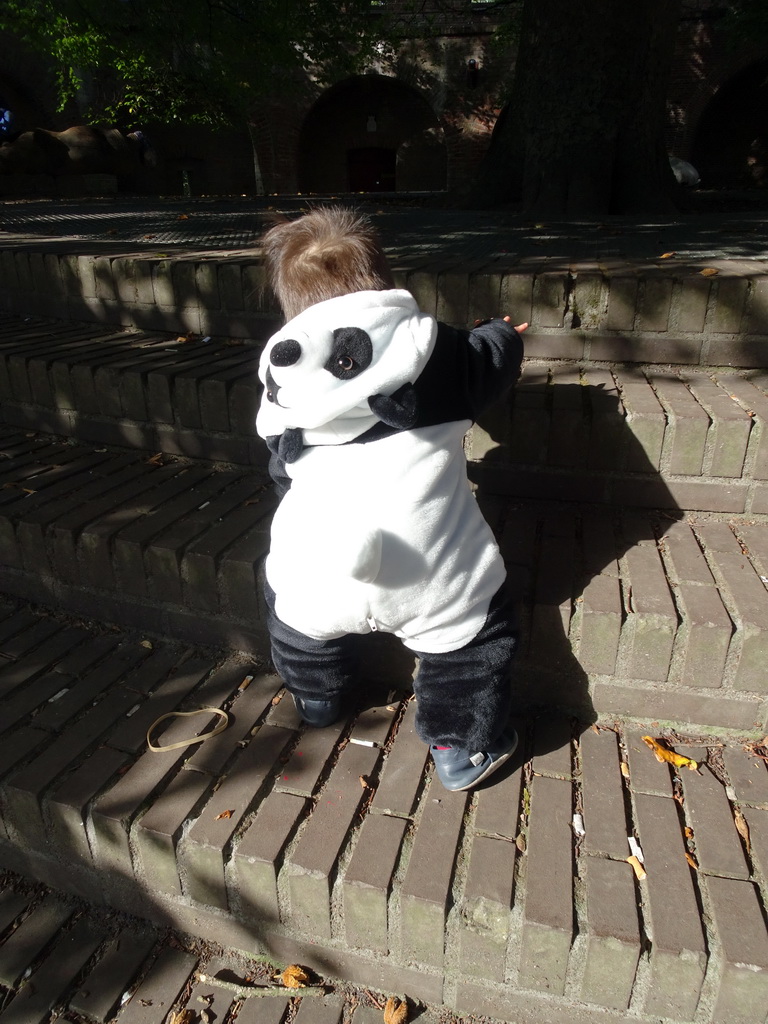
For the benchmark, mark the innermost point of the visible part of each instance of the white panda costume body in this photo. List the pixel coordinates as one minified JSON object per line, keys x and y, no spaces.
{"x":379,"y":535}
{"x":366,"y":403}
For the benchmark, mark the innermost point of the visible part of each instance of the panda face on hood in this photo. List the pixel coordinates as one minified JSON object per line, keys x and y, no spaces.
{"x":350,"y":352}
{"x":321,"y":371}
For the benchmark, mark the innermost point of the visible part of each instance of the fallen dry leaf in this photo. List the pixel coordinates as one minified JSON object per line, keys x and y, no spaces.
{"x":638,"y":867}
{"x":692,"y":861}
{"x":667,"y":255}
{"x":224,"y":814}
{"x":155,"y":460}
{"x":709,"y":272}
{"x":147,"y":644}
{"x":663,"y":753}
{"x":365,"y":783}
{"x":191,"y":336}
{"x":395,"y":1012}
{"x":625,"y":769}
{"x":183,"y":216}
{"x":294,"y":977}
{"x":742,"y":827}
{"x":186,"y":1016}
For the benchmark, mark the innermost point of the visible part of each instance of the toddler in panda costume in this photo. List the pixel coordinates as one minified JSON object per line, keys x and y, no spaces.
{"x":366,"y":403}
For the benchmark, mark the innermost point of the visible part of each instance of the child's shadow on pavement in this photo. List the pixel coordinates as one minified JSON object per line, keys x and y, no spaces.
{"x":569,"y":489}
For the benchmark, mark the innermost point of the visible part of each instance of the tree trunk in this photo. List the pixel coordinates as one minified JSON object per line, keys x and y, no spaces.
{"x":582,"y":134}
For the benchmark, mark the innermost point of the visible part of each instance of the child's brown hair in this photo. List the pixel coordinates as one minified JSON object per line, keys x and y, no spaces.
{"x":326,"y":253}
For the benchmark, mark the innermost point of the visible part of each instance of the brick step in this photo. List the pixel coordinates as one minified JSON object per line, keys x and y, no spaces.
{"x":339,"y":850}
{"x":119,"y":968}
{"x":612,"y":308}
{"x":156,"y":542}
{"x":124,"y":284}
{"x":674,"y":438}
{"x":642,"y":437}
{"x":630,"y":613}
{"x":128,"y":387}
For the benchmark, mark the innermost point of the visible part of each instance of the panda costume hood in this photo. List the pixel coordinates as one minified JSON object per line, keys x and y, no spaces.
{"x":377,"y":528}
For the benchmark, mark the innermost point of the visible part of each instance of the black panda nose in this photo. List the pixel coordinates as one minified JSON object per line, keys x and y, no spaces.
{"x":285,"y":353}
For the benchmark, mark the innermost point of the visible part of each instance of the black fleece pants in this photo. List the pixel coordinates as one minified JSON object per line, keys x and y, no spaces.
{"x":462,"y":697}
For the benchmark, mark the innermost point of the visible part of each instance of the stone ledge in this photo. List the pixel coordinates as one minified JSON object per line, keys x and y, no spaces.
{"x":186,"y":397}
{"x":638,"y":436}
{"x":675,"y":437}
{"x":625,"y":612}
{"x":80,"y":790}
{"x":665,"y":313}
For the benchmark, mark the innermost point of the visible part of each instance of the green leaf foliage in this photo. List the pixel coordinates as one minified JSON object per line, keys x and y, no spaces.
{"x":198,"y":61}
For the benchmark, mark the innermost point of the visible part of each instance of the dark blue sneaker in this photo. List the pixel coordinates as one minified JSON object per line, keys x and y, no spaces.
{"x":318,"y":712}
{"x":458,"y":769}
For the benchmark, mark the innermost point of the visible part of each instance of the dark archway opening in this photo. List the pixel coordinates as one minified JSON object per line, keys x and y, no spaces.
{"x":731,"y":144}
{"x":371,"y":169}
{"x":351,"y":138}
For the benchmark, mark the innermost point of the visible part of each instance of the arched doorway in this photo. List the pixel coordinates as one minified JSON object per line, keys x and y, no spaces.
{"x":730,"y":149}
{"x":351,"y":138}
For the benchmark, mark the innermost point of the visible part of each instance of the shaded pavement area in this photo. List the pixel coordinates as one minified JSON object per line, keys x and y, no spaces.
{"x":408,"y":227}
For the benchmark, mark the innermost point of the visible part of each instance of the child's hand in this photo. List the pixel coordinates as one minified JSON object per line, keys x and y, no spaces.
{"x":508,"y":319}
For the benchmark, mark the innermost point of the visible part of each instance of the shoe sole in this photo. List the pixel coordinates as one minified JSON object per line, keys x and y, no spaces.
{"x":502,"y":759}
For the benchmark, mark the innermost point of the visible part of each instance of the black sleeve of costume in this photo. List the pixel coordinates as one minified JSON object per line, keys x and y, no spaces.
{"x":468,"y":371}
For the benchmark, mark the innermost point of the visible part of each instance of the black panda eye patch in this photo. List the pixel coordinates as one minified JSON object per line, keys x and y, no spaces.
{"x":351,"y":354}
{"x":285,"y":353}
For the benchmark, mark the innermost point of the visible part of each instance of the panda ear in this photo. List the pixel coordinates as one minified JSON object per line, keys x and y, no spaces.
{"x":287,"y":446}
{"x":399,"y":410}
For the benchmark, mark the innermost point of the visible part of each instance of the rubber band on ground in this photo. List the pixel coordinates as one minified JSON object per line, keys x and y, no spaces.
{"x":159,"y":748}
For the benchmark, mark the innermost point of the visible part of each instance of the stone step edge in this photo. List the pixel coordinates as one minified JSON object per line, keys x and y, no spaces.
{"x":184,"y":396}
{"x":63,"y":505}
{"x":680,"y":625}
{"x":611,"y":310}
{"x":688,"y":439}
{"x":49,"y":814}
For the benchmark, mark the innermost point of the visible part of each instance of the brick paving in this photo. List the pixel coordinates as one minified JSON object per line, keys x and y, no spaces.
{"x":671,"y":438}
{"x":630,"y":502}
{"x":277,"y":839}
{"x":623,"y":610}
